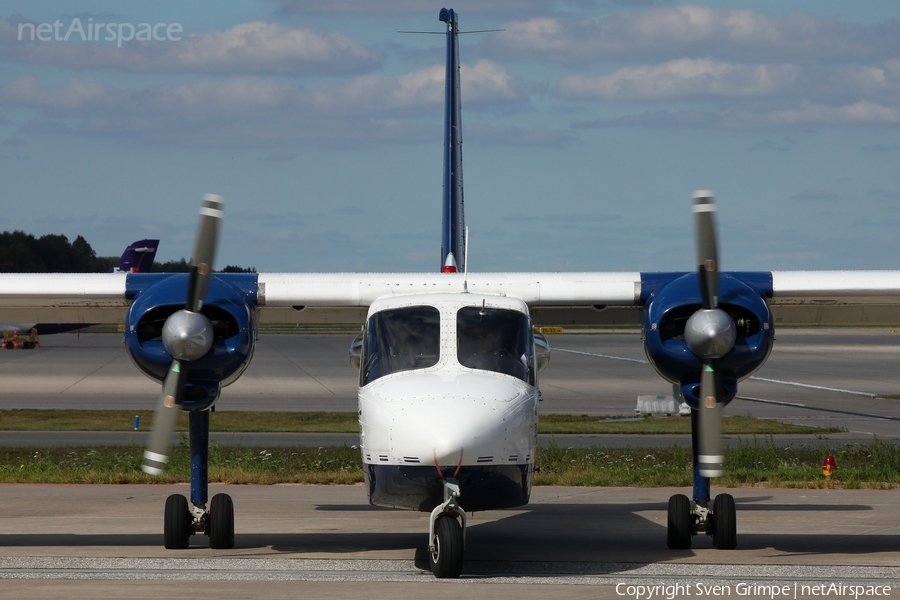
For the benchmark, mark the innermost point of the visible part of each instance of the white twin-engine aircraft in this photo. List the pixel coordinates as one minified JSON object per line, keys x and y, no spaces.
{"x":448,"y":363}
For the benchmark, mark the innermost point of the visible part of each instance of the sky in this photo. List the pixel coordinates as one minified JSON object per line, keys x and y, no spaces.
{"x":587,"y":126}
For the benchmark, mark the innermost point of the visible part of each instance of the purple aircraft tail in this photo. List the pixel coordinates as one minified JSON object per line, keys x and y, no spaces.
{"x":137,"y":258}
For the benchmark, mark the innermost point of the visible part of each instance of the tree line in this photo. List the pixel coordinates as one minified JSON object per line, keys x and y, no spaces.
{"x":22,"y":252}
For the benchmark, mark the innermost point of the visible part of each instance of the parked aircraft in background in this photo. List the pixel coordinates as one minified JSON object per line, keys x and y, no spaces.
{"x":448,"y":363}
{"x":137,"y":258}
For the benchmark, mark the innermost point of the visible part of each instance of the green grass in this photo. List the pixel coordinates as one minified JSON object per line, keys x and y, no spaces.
{"x":347,"y":422}
{"x":734,"y":425}
{"x":123,"y":420}
{"x":753,"y":462}
{"x":338,"y":465}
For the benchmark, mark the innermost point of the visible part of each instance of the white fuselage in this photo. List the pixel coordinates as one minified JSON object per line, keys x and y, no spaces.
{"x":458,"y":401}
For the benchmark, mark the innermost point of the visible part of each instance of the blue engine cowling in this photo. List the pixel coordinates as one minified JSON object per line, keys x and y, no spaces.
{"x":669,"y":299}
{"x":229,"y":305}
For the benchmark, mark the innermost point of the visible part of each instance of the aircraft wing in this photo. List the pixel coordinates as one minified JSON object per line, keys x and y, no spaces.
{"x":97,"y":290}
{"x":835,"y":287}
{"x":565,"y":289}
{"x":626,"y":288}
{"x":361,"y":289}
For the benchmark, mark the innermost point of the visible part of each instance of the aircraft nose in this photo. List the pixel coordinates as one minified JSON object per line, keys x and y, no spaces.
{"x":448,"y":433}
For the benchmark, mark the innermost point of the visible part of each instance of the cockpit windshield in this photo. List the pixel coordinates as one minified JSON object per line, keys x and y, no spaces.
{"x":400,"y":339}
{"x":494,"y":339}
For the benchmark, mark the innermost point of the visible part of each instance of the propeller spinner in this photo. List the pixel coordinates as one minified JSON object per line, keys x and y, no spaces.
{"x":710,"y":333}
{"x":187,"y":335}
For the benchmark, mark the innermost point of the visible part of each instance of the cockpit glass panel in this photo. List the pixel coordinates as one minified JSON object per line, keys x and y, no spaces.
{"x":495,"y":339}
{"x":400,"y":339}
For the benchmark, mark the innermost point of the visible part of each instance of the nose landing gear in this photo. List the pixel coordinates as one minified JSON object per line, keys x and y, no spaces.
{"x":446,"y":534}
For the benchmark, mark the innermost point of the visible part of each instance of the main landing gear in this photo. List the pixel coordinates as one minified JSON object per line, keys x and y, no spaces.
{"x":720,"y":522}
{"x":446,"y":534}
{"x":183,"y":521}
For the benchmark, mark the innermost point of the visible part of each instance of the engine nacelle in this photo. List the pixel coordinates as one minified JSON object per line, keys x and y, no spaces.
{"x":229,"y":306}
{"x":671,"y":299}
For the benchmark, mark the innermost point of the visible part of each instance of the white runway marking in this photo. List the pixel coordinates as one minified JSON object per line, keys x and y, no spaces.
{"x":779,"y":381}
{"x":816,"y":387}
{"x":634,"y":360}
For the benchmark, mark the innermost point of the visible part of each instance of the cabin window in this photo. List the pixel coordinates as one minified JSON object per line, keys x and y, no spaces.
{"x":495,"y":339}
{"x":400,"y":339}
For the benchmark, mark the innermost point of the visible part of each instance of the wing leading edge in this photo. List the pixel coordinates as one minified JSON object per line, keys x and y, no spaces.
{"x":626,"y":288}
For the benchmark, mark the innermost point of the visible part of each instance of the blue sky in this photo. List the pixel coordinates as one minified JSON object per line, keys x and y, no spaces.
{"x":587,"y":126}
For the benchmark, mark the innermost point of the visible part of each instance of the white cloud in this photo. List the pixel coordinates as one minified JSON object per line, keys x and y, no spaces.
{"x":252,"y":111}
{"x":696,"y":32}
{"x":76,"y":95}
{"x":257,"y":47}
{"x":682,"y":78}
{"x":407,"y":7}
{"x":857,"y":114}
{"x":482,"y":83}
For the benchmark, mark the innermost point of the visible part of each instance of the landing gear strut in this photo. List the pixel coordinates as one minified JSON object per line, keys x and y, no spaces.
{"x":684,"y":522}
{"x":183,"y":519}
{"x":446,"y":534}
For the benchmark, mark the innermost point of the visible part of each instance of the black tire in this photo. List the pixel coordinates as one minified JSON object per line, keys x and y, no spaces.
{"x":724,"y":517}
{"x":447,"y":558}
{"x":221,"y":522}
{"x":177,"y":527}
{"x":679,"y":529}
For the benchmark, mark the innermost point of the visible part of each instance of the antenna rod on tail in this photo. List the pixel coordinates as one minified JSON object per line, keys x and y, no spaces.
{"x":453,"y":256}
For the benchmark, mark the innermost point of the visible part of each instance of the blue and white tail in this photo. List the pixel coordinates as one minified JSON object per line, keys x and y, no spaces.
{"x":453,"y":241}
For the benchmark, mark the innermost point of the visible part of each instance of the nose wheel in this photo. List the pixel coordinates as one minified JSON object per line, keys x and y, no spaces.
{"x":447,"y":534}
{"x":446,"y":555}
{"x":182,"y":521}
{"x":683,"y":523}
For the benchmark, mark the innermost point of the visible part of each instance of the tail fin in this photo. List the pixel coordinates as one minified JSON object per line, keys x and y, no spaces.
{"x":453,"y":239}
{"x":138,"y":257}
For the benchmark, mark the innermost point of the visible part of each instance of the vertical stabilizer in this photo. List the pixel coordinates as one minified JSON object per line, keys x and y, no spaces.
{"x":453,"y":241}
{"x":138,"y":257}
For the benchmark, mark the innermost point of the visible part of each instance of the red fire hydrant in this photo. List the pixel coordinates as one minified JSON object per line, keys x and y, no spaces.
{"x":828,"y":467}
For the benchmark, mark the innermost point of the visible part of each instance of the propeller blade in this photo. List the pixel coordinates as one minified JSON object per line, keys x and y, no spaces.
{"x":709,"y":452}
{"x":707,"y":249}
{"x":167,"y":409}
{"x":204,"y":250}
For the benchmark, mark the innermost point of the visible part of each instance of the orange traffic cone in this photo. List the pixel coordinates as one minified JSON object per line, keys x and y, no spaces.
{"x":15,"y":340}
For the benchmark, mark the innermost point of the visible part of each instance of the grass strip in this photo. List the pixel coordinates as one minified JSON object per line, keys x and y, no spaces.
{"x":753,"y":462}
{"x":733,"y":425}
{"x":332,"y":465}
{"x":347,"y":422}
{"x":226,"y":421}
